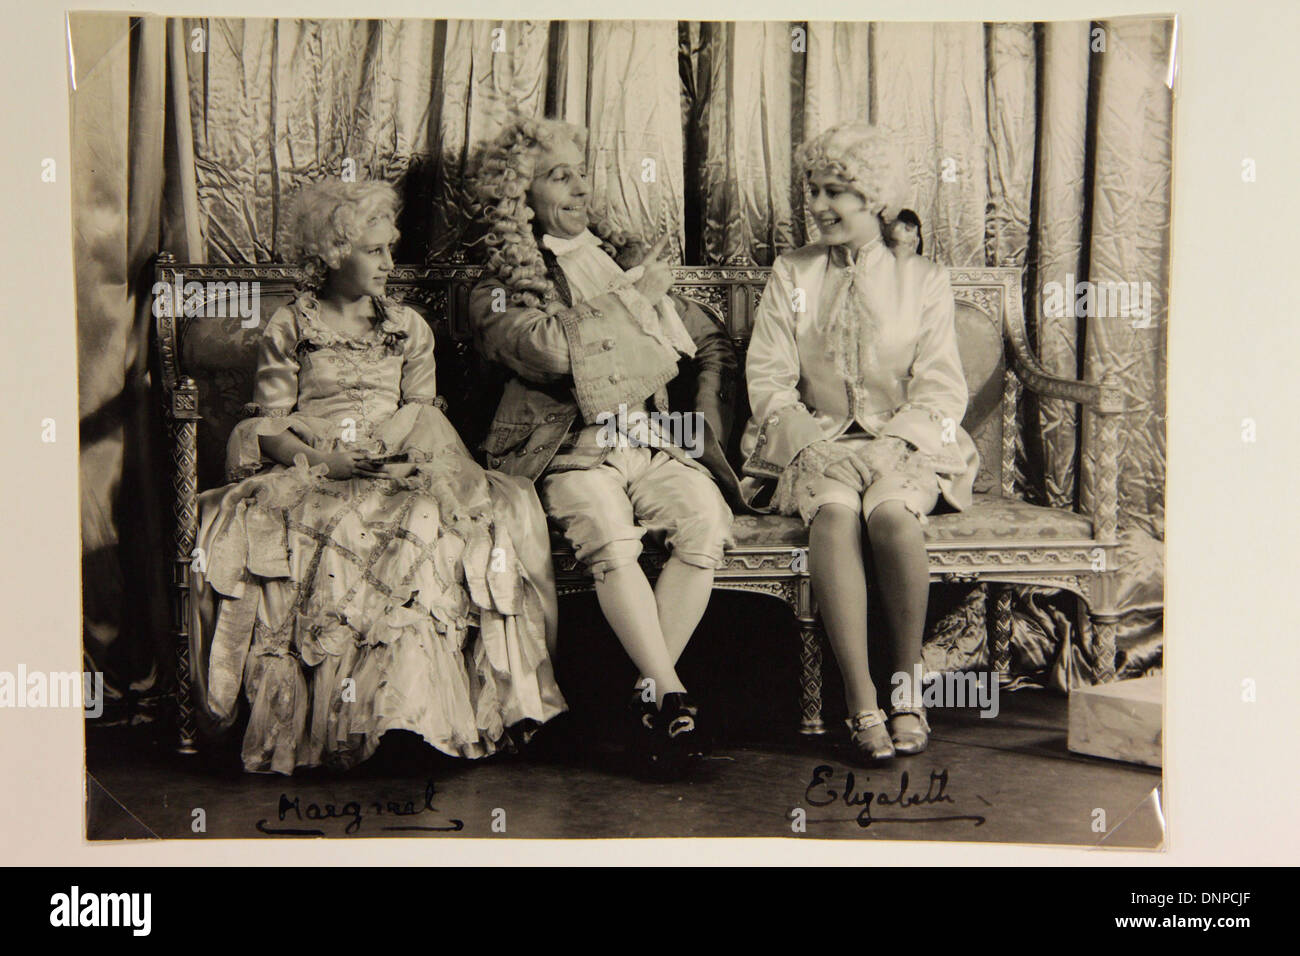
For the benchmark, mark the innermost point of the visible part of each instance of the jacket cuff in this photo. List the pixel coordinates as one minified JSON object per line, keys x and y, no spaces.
{"x":781,"y":437}
{"x":923,"y":427}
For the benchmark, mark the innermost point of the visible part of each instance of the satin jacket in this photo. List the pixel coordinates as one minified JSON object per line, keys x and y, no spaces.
{"x":916,"y":391}
{"x":587,"y":359}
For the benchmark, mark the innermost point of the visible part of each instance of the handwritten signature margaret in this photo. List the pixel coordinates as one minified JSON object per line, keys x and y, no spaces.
{"x":293,"y":810}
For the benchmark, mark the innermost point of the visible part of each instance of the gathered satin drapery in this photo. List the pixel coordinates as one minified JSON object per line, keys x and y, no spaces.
{"x":1027,"y":145}
{"x":120,"y":144}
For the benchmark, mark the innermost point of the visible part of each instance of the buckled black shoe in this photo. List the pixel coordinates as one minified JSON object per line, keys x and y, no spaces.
{"x":679,"y":735}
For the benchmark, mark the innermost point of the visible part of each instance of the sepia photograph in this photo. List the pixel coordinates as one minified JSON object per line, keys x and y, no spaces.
{"x":572,"y":429}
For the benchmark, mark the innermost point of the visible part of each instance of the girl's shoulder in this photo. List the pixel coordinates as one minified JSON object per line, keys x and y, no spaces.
{"x":396,"y":314}
{"x":932,"y":275}
{"x":810,"y":254}
{"x":813,"y":256}
{"x":286,"y":321}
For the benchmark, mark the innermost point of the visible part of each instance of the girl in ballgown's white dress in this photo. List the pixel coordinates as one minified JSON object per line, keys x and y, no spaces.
{"x":370,"y":575}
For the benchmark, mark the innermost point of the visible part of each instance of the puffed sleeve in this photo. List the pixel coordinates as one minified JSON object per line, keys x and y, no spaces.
{"x":529,"y":342}
{"x":937,"y":393}
{"x":275,"y":395}
{"x":276,"y":389}
{"x":785,"y":425}
{"x":419,"y":368}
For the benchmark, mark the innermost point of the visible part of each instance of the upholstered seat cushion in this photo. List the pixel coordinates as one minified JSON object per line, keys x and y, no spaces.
{"x":998,"y":518}
{"x":989,"y":518}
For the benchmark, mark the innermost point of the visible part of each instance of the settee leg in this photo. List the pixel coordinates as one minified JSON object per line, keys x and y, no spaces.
{"x":810,"y":678}
{"x":1105,"y":629}
{"x":185,"y":506}
{"x":998,"y":622}
{"x":1105,"y":625}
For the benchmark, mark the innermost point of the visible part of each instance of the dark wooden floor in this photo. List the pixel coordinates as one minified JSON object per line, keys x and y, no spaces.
{"x":1007,"y":779}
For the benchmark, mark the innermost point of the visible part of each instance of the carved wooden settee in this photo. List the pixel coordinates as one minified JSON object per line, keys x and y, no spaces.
{"x":207,"y":366}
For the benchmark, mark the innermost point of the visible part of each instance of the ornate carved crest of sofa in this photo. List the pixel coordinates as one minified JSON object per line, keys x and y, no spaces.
{"x":207,"y":365}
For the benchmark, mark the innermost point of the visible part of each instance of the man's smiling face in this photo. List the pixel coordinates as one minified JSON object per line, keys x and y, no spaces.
{"x":559,"y":192}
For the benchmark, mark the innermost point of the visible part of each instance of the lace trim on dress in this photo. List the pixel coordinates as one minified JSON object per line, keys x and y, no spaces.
{"x":254,"y":410}
{"x":315,"y":334}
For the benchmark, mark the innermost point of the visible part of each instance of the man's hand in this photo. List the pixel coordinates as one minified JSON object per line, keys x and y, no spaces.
{"x":658,"y":276}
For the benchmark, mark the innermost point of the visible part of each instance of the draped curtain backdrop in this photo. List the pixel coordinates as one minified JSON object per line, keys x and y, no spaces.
{"x":1040,"y":146}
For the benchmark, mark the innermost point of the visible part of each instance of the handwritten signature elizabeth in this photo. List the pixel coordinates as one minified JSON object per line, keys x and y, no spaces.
{"x":823,"y":791}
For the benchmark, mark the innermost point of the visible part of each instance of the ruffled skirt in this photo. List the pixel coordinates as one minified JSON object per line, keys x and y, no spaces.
{"x":346,"y":609}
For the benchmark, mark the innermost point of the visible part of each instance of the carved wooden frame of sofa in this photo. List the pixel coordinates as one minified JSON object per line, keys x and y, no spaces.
{"x":206,"y":370}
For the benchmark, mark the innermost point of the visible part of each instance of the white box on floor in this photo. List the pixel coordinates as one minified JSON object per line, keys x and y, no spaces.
{"x":1122,"y":721}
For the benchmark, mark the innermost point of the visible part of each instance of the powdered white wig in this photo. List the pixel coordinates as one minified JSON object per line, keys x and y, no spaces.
{"x":502,"y":174}
{"x":325,"y":218}
{"x":866,"y":158}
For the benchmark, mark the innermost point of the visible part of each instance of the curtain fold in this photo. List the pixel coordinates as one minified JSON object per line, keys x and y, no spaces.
{"x":484,"y":70}
{"x":836,"y":87}
{"x":118,"y":113}
{"x":1058,"y":239}
{"x":749,"y":193}
{"x":929,"y":91}
{"x":1012,"y":129}
{"x":1130,"y":246}
{"x":635,"y":149}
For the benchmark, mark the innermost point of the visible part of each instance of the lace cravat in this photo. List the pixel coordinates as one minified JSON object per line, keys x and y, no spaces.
{"x":851,"y":327}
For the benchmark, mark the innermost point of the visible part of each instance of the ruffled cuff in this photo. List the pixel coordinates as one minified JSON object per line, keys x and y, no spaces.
{"x":921,"y":426}
{"x":935,"y":437}
{"x":437,"y":401}
{"x":244,"y":456}
{"x":781,"y":437}
{"x":254,"y":410}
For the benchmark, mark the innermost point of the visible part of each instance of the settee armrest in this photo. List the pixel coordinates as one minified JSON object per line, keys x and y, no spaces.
{"x":1104,"y":397}
{"x":1104,"y":401}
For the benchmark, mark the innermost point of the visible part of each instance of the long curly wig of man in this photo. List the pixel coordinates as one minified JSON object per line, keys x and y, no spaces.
{"x":326,"y":218}
{"x":501,"y":177}
{"x":866,"y":157}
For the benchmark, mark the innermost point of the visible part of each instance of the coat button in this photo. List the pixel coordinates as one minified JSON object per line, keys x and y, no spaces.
{"x":613,"y":379}
{"x":607,"y":344}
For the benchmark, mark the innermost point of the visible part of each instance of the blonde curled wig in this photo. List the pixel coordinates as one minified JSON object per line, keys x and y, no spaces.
{"x":502,"y":175}
{"x":325,"y":218}
{"x":865,"y":157}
